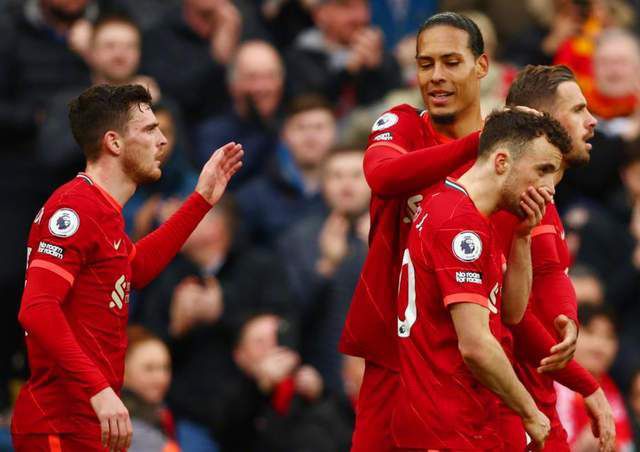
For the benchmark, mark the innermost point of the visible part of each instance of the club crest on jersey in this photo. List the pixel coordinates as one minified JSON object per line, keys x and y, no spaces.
{"x":64,"y":223}
{"x":467,"y":246}
{"x":385,"y":121}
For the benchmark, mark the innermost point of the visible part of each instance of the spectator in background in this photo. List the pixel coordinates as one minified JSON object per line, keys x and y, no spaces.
{"x":285,"y":19}
{"x":187,"y":52}
{"x":614,"y":94}
{"x":317,"y":249}
{"x":343,"y":56}
{"x":113,"y":55}
{"x":146,"y":380}
{"x":289,"y":188}
{"x":290,"y":412}
{"x":399,"y":19}
{"x":595,"y":351}
{"x":255,"y":80}
{"x":588,"y":286}
{"x":197,"y":306}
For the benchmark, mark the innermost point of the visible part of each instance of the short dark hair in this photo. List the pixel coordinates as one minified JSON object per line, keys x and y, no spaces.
{"x":461,"y":22}
{"x":587,"y":312}
{"x":307,"y":102}
{"x":514,"y":128}
{"x":102,"y":108}
{"x":536,"y":86}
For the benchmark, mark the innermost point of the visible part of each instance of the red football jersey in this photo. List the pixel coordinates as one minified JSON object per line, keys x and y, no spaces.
{"x":452,"y":257}
{"x":79,"y":235}
{"x":552,"y":292}
{"x":369,"y":330}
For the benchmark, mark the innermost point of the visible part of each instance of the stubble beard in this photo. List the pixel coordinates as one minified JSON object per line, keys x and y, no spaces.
{"x":136,"y":171}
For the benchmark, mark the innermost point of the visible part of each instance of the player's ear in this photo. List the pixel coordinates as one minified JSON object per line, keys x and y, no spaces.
{"x":113,"y":142}
{"x":482,"y":66}
{"x":502,"y":161}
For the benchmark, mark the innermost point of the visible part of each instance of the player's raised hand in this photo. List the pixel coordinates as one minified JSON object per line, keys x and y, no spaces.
{"x":538,"y":427}
{"x":216,"y":173}
{"x":602,"y":423}
{"x":115,"y":424}
{"x":533,"y":204}
{"x":563,"y":351}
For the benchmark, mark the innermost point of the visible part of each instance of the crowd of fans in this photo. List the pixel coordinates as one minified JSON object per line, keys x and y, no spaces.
{"x":234,"y":346}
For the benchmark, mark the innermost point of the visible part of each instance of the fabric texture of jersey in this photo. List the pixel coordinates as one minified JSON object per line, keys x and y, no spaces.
{"x":452,"y":257}
{"x":403,"y":158}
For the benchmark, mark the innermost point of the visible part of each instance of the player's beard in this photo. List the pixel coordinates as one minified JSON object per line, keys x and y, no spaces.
{"x":444,"y":120}
{"x":134,"y":168}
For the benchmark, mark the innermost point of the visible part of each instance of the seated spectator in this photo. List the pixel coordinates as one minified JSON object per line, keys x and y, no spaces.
{"x":255,"y":78}
{"x":596,"y":349}
{"x":290,"y":185}
{"x":187,"y":52}
{"x":197,"y":305}
{"x":291,"y":413}
{"x":146,"y":380}
{"x":343,"y":56}
{"x":317,"y":250}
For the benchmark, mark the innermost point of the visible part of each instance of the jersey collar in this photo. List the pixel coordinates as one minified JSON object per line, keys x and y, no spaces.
{"x":110,"y":199}
{"x":455,"y":185}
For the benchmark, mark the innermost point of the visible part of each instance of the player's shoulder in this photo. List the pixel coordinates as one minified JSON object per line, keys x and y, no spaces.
{"x":70,"y":205}
{"x":452,"y":209}
{"x":403,"y":114}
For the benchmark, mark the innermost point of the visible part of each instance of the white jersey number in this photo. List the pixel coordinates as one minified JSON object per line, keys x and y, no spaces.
{"x":410,"y":313}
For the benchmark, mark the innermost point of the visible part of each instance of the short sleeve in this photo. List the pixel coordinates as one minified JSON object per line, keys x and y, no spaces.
{"x":461,"y":256}
{"x":395,"y":129}
{"x":64,"y":239}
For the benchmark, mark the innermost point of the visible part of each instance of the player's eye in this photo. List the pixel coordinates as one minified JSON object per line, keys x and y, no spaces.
{"x":452,"y":63}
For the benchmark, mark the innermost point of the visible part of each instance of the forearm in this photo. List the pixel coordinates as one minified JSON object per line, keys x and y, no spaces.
{"x":490,"y":365}
{"x":155,"y":251}
{"x":42,"y":318}
{"x":517,"y":281}
{"x":392,"y":173}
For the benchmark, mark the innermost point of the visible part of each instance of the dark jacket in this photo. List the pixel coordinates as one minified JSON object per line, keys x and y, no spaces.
{"x":272,"y":202}
{"x":205,"y":387}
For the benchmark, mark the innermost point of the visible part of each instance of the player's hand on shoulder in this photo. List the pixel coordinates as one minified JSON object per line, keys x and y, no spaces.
{"x":538,"y":427}
{"x":115,"y":424}
{"x":216,"y":173}
{"x":533,"y":204}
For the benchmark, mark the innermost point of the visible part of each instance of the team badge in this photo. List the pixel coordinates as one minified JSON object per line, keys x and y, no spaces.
{"x":385,"y":121}
{"x":64,"y":223}
{"x":467,"y":246}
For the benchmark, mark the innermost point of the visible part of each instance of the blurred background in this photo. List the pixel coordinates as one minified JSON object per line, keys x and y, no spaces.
{"x":234,"y":346}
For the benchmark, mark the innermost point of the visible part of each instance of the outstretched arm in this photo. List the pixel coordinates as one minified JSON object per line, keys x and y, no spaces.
{"x":153,"y":252}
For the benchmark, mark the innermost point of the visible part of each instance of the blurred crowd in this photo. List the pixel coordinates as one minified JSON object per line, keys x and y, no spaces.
{"x":234,"y":346}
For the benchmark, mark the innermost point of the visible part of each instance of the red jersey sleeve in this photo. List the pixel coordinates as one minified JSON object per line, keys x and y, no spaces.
{"x":459,"y":253}
{"x":152,"y":253}
{"x":397,"y":161}
{"x":61,"y":242}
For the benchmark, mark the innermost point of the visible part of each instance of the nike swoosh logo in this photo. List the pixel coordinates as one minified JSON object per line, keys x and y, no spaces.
{"x":116,"y":245}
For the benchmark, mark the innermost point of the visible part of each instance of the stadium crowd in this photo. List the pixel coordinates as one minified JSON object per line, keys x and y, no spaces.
{"x":234,"y":347}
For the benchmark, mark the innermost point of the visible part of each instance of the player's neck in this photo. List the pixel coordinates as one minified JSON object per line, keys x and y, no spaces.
{"x":112,"y":180}
{"x":483,"y":189}
{"x":464,"y":124}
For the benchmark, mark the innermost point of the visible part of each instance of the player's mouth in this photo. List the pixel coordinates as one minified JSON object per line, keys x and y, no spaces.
{"x":440,"y":98}
{"x":586,"y":139}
